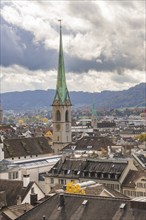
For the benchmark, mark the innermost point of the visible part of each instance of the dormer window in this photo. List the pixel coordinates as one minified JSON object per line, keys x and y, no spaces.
{"x":54,"y":170}
{"x":64,"y":172}
{"x":89,"y":147}
{"x":68,"y":172}
{"x":75,"y":172}
{"x":85,"y":173}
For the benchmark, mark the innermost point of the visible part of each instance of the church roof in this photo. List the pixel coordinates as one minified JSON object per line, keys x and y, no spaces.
{"x":62,"y":94}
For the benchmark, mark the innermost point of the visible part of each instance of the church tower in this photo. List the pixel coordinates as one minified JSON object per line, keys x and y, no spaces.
{"x":61,"y":107}
{"x":94,"y":117}
{"x":1,"y":109}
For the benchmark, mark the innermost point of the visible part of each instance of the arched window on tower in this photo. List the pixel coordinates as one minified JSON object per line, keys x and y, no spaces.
{"x":58,"y":115}
{"x":66,"y":116}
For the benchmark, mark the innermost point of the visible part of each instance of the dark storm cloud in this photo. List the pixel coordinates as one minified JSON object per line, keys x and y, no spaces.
{"x":17,"y":47}
{"x":79,"y":65}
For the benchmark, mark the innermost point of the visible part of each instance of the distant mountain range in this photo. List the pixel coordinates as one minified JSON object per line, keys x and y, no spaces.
{"x":133,"y":97}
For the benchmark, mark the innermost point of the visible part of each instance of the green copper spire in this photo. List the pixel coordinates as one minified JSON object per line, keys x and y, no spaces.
{"x":94,"y":110}
{"x":62,"y":94}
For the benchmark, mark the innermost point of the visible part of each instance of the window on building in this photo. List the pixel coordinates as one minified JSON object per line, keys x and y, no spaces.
{"x":102,"y":175}
{"x":13,"y":175}
{"x":140,"y":185}
{"x":116,"y":187}
{"x":133,"y":193}
{"x":116,"y":176}
{"x":68,"y":172}
{"x":66,"y":116}
{"x":42,"y":176}
{"x":127,"y":192}
{"x":78,"y":172}
{"x":52,"y":180}
{"x":58,"y":115}
{"x":62,"y":181}
{"x":139,"y":194}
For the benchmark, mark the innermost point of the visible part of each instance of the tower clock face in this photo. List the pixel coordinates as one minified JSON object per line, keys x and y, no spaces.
{"x":57,"y":126}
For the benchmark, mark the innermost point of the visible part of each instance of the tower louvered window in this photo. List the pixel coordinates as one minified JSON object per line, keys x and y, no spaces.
{"x":58,"y":116}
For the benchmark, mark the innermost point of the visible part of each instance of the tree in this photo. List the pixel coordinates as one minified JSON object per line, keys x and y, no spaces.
{"x":141,"y":137}
{"x":74,"y":188}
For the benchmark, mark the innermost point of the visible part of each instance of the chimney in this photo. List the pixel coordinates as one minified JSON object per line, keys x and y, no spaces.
{"x":26,"y":180}
{"x":33,"y":199}
{"x":61,"y":200}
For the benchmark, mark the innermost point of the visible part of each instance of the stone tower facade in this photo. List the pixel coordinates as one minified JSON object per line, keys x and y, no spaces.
{"x":1,"y":112}
{"x":61,"y":107}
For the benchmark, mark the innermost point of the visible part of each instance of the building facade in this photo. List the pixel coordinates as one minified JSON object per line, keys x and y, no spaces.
{"x":111,"y":173}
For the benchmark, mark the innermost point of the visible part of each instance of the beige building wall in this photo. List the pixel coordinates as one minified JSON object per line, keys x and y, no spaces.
{"x":139,"y":190}
{"x":36,"y":191}
{"x":130,"y":166}
{"x":51,"y":182}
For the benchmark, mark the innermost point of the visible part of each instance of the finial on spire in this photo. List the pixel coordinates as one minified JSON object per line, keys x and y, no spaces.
{"x":60,"y":22}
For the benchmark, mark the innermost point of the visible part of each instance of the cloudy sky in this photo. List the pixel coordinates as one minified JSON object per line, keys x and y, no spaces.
{"x":103,"y":44}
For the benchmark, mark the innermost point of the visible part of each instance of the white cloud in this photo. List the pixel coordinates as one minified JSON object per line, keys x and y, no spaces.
{"x":91,"y":30}
{"x":16,"y":78}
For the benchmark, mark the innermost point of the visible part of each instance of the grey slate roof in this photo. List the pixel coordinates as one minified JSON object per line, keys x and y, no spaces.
{"x":77,"y":168}
{"x":83,"y":207}
{"x":19,"y":147}
{"x":15,"y":211}
{"x":90,"y":143}
{"x":132,"y":176}
{"x":97,"y":189}
{"x":3,"y":201}
{"x":13,"y":189}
